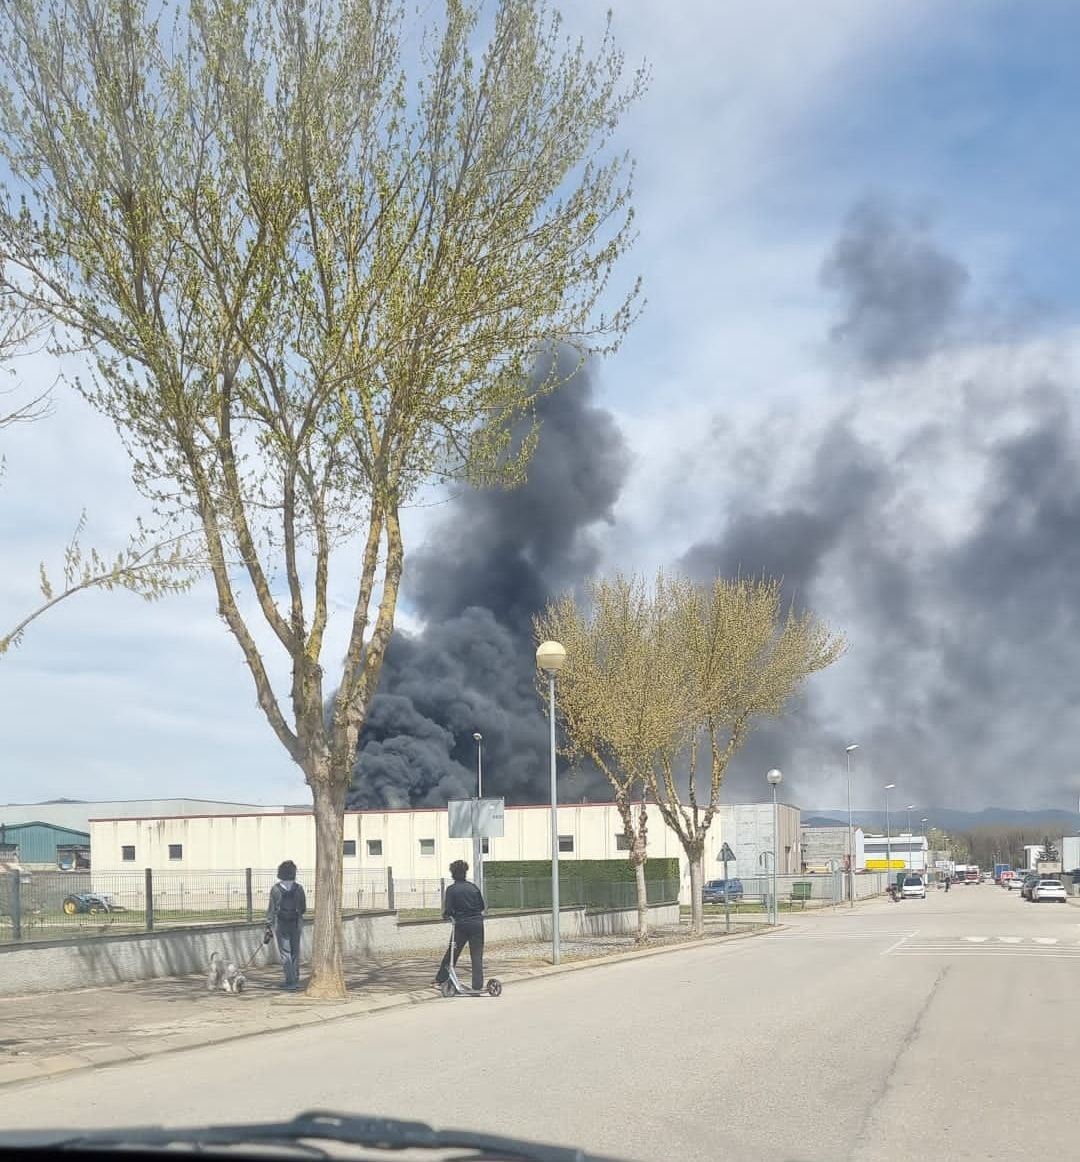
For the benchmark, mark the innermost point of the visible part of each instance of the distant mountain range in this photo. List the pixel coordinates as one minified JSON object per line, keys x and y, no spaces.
{"x":1051,"y":819}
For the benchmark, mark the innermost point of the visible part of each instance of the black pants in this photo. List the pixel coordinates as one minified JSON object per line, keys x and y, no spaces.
{"x":469,"y":932}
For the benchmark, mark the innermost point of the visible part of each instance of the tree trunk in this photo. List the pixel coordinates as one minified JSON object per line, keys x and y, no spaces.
{"x":697,"y":881}
{"x":327,"y":968}
{"x":642,"y":904}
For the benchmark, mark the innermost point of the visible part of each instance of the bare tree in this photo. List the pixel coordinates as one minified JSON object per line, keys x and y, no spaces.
{"x":741,"y":659}
{"x":312,"y":290}
{"x":619,"y":703}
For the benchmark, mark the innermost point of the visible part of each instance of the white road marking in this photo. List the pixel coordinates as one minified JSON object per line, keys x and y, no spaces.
{"x":899,"y":943}
{"x":960,"y":946}
{"x":967,"y":952}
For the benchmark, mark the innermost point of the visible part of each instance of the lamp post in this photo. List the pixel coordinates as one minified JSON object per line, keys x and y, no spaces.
{"x":850,"y":831}
{"x":908,"y":863}
{"x":477,"y":842}
{"x":550,"y":657}
{"x":478,"y":738}
{"x":774,"y":778}
{"x":888,"y":829}
{"x":926,"y":865}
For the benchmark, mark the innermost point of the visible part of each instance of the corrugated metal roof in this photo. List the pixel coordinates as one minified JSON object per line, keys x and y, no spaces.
{"x":77,"y":813}
{"x":63,"y":834}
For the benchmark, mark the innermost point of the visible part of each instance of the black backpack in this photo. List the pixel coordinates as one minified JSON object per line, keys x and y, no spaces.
{"x":290,"y":904}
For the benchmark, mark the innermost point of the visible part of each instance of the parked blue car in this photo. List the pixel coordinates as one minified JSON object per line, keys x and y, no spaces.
{"x":714,"y":891}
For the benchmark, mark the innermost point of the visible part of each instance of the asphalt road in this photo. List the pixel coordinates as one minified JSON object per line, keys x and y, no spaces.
{"x":940,"y":1028}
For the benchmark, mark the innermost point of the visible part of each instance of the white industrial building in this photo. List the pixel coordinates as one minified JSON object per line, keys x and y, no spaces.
{"x":416,"y":843}
{"x":907,"y":852}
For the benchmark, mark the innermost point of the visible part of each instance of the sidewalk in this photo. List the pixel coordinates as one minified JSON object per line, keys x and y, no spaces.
{"x":51,"y":1033}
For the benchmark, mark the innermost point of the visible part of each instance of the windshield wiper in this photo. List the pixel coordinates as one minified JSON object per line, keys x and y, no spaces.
{"x":324,"y":1126}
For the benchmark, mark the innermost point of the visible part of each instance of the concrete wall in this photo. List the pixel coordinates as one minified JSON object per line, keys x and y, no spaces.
{"x":57,"y":967}
{"x":822,"y":845}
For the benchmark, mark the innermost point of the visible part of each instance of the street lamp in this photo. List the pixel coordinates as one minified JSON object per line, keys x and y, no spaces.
{"x":888,"y":828}
{"x":909,"y":865}
{"x":477,"y":842}
{"x":774,"y":778}
{"x":926,"y":857}
{"x":478,"y":738}
{"x":850,"y":832}
{"x":550,"y":657}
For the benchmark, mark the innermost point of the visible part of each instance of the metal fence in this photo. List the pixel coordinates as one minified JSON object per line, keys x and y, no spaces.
{"x":806,"y":890}
{"x":419,"y":895}
{"x":54,"y":905}
{"x":798,"y":891}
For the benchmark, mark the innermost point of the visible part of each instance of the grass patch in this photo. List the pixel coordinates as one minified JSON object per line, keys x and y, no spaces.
{"x":747,"y":908}
{"x":420,"y":913}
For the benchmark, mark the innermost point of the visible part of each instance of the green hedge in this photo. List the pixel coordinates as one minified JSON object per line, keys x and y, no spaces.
{"x":591,"y":883}
{"x":591,"y":870}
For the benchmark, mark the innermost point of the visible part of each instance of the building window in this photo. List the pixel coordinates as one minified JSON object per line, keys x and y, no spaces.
{"x":485,"y":845}
{"x":427,"y":846}
{"x":374,"y":847}
{"x":127,"y":853}
{"x":176,"y":851}
{"x":566,"y":843}
{"x":348,"y":847}
{"x":621,"y":842}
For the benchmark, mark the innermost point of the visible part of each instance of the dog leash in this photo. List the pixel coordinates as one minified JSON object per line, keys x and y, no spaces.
{"x":251,"y":959}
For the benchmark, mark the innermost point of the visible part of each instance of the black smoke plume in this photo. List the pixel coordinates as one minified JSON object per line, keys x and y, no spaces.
{"x":936,"y":519}
{"x":492,"y":562}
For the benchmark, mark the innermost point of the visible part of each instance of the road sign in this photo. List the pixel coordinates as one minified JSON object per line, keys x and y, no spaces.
{"x":726,"y":856}
{"x":476,"y":818}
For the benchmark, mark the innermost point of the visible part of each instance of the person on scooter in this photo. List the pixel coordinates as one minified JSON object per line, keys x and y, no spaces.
{"x":464,"y":905}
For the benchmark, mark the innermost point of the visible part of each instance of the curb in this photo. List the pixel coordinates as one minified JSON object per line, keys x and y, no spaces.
{"x":18,"y":1073}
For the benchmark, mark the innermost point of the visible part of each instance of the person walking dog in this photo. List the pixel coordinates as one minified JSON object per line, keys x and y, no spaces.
{"x":285,"y":921}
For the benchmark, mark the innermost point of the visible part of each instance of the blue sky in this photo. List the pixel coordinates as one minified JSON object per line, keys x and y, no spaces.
{"x":764,"y":126}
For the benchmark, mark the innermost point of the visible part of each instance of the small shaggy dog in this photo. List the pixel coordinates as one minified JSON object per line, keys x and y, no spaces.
{"x":224,"y":976}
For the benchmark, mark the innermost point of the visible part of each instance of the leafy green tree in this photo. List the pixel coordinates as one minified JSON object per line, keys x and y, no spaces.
{"x":663,"y":684}
{"x":311,"y":290}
